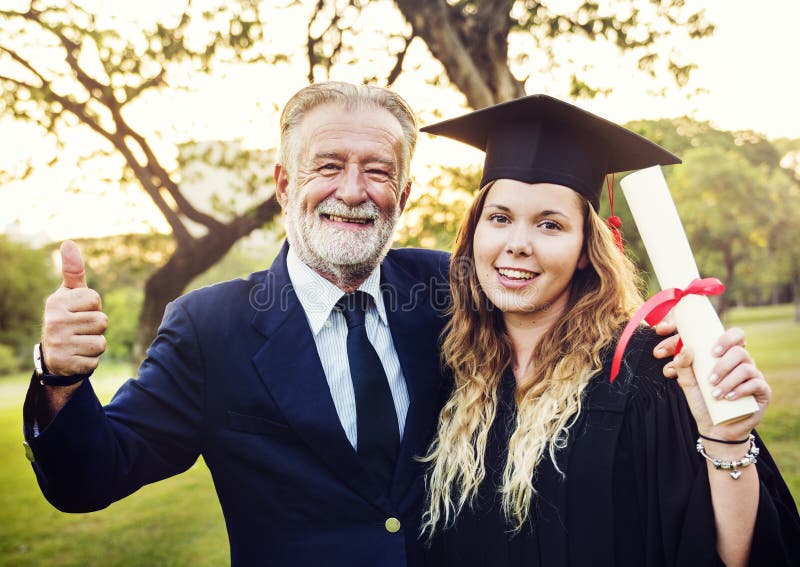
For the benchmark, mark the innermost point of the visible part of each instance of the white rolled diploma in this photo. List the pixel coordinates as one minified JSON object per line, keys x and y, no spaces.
{"x":668,"y":248}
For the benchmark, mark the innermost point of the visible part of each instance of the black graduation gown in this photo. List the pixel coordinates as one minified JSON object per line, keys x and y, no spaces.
{"x":635,"y":492}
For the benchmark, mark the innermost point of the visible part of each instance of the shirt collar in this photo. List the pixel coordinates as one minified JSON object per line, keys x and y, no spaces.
{"x":318,"y":296}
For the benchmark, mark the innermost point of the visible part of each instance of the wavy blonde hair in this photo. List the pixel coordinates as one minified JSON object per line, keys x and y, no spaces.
{"x":477,"y":350}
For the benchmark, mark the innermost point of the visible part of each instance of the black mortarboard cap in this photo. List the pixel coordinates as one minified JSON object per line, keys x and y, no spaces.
{"x":540,"y":139}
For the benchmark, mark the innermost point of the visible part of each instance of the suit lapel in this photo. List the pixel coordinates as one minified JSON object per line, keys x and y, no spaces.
{"x":289,"y":366}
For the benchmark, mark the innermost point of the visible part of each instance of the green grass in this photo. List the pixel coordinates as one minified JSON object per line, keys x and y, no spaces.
{"x":179,"y":522}
{"x":174,"y":522}
{"x":773,"y":338}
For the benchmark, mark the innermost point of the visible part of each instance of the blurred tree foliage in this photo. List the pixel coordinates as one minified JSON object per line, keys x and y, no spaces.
{"x":118,"y":268}
{"x":26,"y":278}
{"x":122,"y":305}
{"x":739,"y":204}
{"x":63,"y":66}
{"x":471,"y":39}
{"x":124,"y":260}
{"x":432,"y":218}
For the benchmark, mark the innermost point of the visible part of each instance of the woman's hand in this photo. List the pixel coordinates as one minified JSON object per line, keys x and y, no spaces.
{"x":666,"y":348}
{"x":734,"y":375}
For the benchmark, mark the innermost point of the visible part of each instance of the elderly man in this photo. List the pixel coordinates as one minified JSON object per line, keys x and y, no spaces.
{"x":308,"y":388}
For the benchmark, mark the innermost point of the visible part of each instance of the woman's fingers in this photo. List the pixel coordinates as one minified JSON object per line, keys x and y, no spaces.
{"x":682,"y":367}
{"x":733,"y":337}
{"x":728,"y":348}
{"x":733,"y":358}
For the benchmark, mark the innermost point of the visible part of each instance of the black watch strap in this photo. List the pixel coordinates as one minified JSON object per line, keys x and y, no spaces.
{"x":47,"y":379}
{"x":55,"y":380}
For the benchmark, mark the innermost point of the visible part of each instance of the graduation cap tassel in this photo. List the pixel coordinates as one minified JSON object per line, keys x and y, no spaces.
{"x":614,"y":222}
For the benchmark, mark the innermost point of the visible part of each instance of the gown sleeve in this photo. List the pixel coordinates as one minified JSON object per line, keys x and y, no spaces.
{"x":663,"y":513}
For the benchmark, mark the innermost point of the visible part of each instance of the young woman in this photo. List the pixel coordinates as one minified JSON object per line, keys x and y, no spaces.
{"x":538,"y":458}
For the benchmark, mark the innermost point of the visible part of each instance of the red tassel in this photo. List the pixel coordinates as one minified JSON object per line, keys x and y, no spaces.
{"x":614,"y":222}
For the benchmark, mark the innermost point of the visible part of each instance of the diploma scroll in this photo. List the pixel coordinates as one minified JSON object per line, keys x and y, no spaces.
{"x":669,"y":251}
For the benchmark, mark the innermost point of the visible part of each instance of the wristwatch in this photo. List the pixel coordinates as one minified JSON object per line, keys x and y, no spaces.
{"x":44,"y":376}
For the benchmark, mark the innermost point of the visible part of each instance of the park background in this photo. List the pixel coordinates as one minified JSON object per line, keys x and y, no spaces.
{"x":147,"y":132}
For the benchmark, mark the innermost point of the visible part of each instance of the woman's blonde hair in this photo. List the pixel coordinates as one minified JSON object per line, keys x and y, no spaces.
{"x":477,"y":351}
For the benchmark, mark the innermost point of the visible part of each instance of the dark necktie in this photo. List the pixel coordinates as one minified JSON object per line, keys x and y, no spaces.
{"x":378,"y":436}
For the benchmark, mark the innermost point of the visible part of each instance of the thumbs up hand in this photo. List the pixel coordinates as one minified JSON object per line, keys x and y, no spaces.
{"x":72,"y":266}
{"x":74,"y":323}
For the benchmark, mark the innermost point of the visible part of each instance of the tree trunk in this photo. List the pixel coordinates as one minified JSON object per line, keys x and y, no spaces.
{"x":472,"y":47}
{"x":730,"y":269}
{"x":190,"y":259}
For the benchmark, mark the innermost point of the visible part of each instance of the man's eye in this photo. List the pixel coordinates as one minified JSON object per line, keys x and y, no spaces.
{"x":328,"y":167}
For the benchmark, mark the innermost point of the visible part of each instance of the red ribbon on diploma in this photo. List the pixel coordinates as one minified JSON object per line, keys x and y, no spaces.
{"x":656,"y":308}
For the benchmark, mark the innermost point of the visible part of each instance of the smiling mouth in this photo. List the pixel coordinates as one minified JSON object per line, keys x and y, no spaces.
{"x":351,"y":220}
{"x":520,"y":275}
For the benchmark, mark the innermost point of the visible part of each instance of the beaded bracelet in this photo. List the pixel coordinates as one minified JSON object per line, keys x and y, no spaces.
{"x":733,"y":466}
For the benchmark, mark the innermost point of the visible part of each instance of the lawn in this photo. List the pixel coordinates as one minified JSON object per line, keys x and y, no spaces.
{"x":773,"y":338}
{"x":179,"y":522}
{"x":174,"y":522}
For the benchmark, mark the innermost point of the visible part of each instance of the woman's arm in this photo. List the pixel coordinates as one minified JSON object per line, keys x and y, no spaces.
{"x":734,"y":496}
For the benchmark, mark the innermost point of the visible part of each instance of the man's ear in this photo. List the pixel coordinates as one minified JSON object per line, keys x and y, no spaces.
{"x":281,"y":185}
{"x":403,"y":197}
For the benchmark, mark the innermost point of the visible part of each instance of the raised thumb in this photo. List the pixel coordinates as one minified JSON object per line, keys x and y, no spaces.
{"x":72,"y":266}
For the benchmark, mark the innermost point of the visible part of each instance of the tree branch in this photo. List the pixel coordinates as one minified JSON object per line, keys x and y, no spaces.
{"x":157,"y":170}
{"x":19,"y":59}
{"x":79,"y":110}
{"x":18,"y":82}
{"x":311,"y":41}
{"x":131,"y":93}
{"x":246,"y":223}
{"x":95,"y":88}
{"x":432,"y":21}
{"x":104,"y":95}
{"x":399,"y":59}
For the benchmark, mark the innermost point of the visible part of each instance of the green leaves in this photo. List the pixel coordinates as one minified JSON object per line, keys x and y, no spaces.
{"x":740,"y":208}
{"x":26,"y":278}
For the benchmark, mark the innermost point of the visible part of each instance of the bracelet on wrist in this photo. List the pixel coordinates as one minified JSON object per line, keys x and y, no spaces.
{"x":732,"y":466}
{"x":724,"y":441}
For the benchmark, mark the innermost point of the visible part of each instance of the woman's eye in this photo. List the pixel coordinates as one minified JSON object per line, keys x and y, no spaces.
{"x":499,"y":218}
{"x":550,"y":225}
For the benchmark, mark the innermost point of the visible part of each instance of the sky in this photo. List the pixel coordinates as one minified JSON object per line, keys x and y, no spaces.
{"x":747,"y":73}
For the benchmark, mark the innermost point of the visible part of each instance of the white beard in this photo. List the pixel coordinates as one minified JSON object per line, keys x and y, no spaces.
{"x":344,"y":254}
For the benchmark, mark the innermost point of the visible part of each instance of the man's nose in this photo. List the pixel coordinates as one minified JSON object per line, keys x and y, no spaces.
{"x":352,"y":189}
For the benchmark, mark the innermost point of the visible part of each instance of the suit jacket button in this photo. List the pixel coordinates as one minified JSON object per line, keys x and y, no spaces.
{"x":29,"y":455}
{"x":392,"y":525}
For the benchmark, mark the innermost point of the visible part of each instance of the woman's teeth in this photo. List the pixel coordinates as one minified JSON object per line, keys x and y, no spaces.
{"x":516,"y":274}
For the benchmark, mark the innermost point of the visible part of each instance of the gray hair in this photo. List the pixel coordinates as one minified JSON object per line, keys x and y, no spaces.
{"x":350,"y":96}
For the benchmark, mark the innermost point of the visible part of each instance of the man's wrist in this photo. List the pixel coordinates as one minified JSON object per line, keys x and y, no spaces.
{"x":45,"y":377}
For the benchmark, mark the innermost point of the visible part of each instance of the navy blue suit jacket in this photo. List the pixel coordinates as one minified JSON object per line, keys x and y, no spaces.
{"x":234,"y":375}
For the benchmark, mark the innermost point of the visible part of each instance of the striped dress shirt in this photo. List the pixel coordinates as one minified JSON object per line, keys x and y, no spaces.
{"x":318,"y":297}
